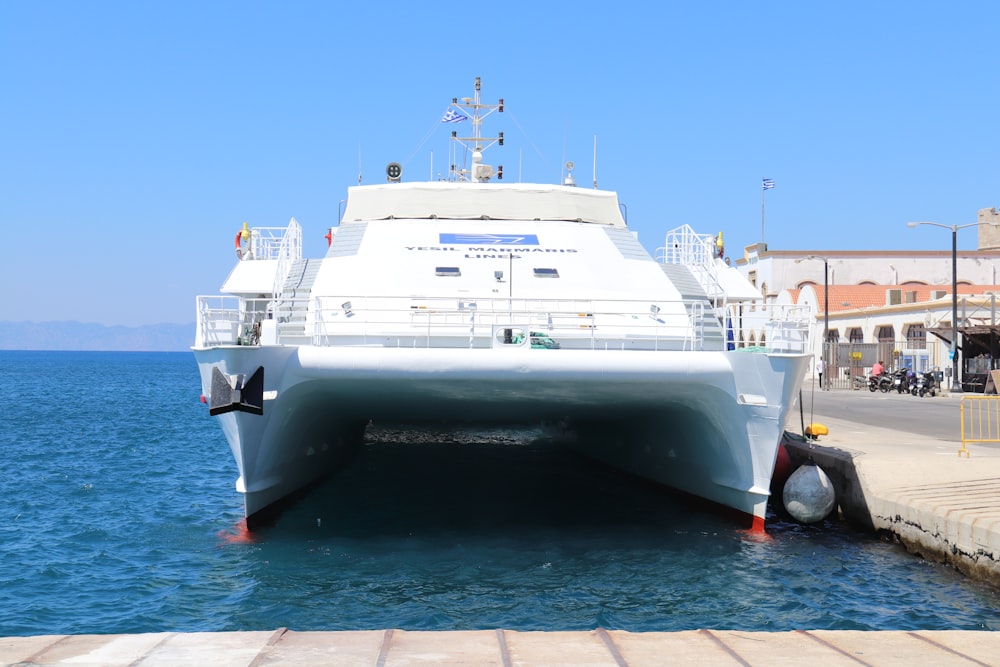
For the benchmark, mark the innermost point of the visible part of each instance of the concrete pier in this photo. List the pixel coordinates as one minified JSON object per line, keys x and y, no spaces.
{"x":940,"y":506}
{"x":597,"y":648}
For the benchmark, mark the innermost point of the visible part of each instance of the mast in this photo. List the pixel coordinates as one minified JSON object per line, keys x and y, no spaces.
{"x":476,"y":111}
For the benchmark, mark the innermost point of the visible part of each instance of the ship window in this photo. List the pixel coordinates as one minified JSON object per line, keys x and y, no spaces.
{"x":447,"y":271}
{"x":546,"y":273}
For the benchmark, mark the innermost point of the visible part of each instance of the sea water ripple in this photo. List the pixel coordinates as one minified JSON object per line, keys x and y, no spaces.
{"x":119,"y":515}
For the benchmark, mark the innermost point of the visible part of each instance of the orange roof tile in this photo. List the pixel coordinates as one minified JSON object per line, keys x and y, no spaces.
{"x":854,"y":297}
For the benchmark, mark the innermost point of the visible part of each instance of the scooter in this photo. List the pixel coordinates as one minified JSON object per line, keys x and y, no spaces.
{"x":880,"y":383}
{"x":925,"y":384}
{"x":900,"y":381}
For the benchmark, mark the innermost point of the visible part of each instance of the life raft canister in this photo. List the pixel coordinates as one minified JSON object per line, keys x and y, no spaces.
{"x":242,"y":236}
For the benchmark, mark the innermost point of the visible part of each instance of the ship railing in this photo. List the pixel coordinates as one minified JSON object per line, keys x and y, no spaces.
{"x":450,"y":322}
{"x":218,"y":320}
{"x":289,"y":250}
{"x":768,"y":327}
{"x":697,"y":252}
{"x":469,"y":322}
{"x":266,"y":243}
{"x":685,"y":246}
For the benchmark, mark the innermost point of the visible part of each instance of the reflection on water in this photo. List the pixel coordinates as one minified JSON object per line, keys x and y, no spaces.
{"x":455,"y":531}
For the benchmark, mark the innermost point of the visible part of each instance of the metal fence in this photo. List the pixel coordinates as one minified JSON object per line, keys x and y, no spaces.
{"x":849,"y":363}
{"x":846,"y":361}
{"x":980,"y":420}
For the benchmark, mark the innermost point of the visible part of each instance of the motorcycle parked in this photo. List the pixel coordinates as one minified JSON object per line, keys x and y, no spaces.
{"x":924,"y":384}
{"x":880,"y":383}
{"x":901,"y":381}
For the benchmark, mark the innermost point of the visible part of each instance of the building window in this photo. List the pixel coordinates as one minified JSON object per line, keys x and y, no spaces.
{"x":752,"y":277}
{"x":855,"y":335}
{"x":834,"y":335}
{"x":916,"y":337}
{"x":885,"y":334}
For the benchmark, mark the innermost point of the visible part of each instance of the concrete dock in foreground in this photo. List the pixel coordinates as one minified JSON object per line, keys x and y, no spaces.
{"x":941,"y":506}
{"x":596,"y":648}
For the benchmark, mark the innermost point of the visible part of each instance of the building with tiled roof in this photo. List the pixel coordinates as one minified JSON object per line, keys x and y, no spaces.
{"x":893,"y":305}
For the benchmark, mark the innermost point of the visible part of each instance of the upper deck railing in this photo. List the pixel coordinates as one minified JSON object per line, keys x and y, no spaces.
{"x":281,"y":243}
{"x":685,"y":246}
{"x":474,"y":323}
{"x":289,"y":249}
{"x":697,"y":252}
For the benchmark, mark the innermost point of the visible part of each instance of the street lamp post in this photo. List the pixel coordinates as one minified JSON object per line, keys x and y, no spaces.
{"x":826,"y":312}
{"x":956,"y":385}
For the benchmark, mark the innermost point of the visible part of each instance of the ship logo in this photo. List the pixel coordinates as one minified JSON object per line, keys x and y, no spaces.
{"x":488,"y":239}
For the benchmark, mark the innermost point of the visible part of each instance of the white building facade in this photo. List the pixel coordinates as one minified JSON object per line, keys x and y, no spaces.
{"x":889,"y":303}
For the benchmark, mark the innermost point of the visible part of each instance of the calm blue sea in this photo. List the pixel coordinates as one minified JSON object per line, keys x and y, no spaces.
{"x":118,"y":515}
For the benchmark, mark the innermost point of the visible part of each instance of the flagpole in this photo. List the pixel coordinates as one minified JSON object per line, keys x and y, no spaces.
{"x":765,"y":185}
{"x":762,"y":191}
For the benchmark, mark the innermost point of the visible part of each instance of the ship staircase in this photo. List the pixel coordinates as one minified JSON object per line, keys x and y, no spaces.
{"x":292,"y":304}
{"x":712,"y":333}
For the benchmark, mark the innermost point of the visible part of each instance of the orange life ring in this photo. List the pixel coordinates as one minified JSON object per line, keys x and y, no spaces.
{"x":243,"y":236}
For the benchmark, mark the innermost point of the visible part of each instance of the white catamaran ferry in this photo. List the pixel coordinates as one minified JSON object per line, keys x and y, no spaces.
{"x":473,"y":299}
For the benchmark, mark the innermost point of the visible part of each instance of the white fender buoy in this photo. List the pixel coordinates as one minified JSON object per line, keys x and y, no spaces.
{"x":808,"y":494}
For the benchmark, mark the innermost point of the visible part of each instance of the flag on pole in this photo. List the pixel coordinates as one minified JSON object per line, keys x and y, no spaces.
{"x":453,"y":116}
{"x":768,"y":183}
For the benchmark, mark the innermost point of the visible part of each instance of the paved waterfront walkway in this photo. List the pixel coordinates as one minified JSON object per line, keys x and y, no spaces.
{"x":940,"y":505}
{"x":596,"y":648}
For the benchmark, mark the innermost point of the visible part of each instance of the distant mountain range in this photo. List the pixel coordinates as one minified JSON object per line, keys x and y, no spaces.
{"x":78,"y":336}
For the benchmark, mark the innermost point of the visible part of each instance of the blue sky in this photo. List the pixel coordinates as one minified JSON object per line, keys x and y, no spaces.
{"x":136,"y":137}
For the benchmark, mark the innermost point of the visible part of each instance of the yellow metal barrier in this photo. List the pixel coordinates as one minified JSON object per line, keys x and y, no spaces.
{"x":980,"y":420}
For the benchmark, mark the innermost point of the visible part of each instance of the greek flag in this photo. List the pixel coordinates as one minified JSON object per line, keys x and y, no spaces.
{"x":768,"y":183}
{"x":453,"y":116}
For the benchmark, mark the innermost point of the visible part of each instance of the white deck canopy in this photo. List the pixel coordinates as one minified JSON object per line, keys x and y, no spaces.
{"x":472,"y":201}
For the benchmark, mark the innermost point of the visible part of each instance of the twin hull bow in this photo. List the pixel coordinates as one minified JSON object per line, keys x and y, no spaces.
{"x":705,"y":423}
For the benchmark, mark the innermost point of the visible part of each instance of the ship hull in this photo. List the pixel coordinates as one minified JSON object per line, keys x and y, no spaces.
{"x":705,"y":423}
